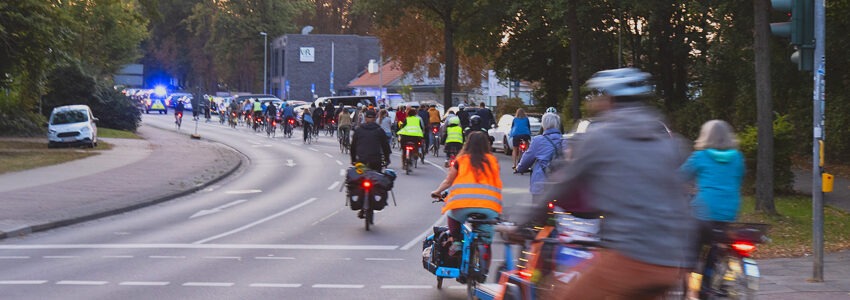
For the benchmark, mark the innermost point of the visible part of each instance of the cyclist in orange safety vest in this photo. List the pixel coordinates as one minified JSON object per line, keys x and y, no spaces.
{"x":475,"y":188}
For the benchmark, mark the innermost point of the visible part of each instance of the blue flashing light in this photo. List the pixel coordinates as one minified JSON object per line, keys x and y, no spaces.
{"x":159,"y":90}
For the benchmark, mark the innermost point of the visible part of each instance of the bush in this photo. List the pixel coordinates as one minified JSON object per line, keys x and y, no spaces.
{"x":783,"y":149}
{"x":114,"y":110}
{"x":508,"y":106}
{"x":22,"y":123}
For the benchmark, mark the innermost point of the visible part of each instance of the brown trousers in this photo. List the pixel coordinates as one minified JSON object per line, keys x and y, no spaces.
{"x":613,"y":276}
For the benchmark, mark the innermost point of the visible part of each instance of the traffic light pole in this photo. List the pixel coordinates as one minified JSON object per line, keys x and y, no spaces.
{"x":818,"y":114}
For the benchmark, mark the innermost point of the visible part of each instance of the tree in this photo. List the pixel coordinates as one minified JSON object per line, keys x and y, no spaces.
{"x":764,"y":176}
{"x":109,"y":33}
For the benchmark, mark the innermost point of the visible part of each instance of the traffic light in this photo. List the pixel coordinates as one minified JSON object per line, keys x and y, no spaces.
{"x":800,"y":28}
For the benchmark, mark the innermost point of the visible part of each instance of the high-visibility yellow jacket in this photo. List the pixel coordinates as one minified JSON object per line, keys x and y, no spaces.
{"x":476,"y":189}
{"x":454,"y":134}
{"x":412,"y":128}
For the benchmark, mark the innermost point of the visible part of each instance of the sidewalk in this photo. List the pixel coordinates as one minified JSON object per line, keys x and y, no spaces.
{"x":787,"y":278}
{"x":135,"y":173}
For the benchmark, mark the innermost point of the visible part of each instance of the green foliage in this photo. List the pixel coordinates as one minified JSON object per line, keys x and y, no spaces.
{"x":114,"y":110}
{"x":783,"y":132}
{"x":508,"y":106}
{"x":67,"y":85}
{"x":109,"y":33}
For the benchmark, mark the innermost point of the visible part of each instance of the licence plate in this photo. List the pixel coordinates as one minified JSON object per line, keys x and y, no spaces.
{"x":69,"y":139}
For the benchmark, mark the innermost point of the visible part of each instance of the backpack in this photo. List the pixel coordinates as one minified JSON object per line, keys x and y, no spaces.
{"x":556,"y":161}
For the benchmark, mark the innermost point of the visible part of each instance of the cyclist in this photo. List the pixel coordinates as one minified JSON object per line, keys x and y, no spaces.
{"x":424,"y":116}
{"x":258,"y":110}
{"x":520,"y":130}
{"x":476,"y":188}
{"x":474,"y":125}
{"x":718,"y":168}
{"x":178,"y":112}
{"x":629,"y":173}
{"x":271,"y":113}
{"x":452,"y":138}
{"x":487,"y":119}
{"x":344,"y":119}
{"x":434,"y":121}
{"x":307,"y":122}
{"x":540,"y":153}
{"x":369,"y":144}
{"x":553,"y":111}
{"x":411,"y":131}
{"x":463,"y":115}
{"x":385,"y":121}
{"x":288,"y":113}
{"x":318,"y":117}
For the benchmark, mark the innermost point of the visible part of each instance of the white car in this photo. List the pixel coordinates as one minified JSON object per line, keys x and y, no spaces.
{"x":72,"y":125}
{"x":502,"y":133}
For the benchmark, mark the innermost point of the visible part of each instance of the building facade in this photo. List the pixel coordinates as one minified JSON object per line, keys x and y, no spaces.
{"x":307,"y":66}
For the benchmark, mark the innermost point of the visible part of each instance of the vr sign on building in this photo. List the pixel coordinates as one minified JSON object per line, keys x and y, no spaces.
{"x":308,"y":54}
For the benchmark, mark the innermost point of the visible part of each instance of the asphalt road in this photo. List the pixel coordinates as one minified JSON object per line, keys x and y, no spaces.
{"x":276,"y":230}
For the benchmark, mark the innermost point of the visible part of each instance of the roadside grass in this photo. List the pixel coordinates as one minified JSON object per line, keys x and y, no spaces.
{"x":24,"y":154}
{"x":791,"y":231}
{"x":114,"y":133}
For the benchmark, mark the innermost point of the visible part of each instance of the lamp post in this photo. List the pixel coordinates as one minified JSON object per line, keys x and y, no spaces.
{"x":265,"y":53}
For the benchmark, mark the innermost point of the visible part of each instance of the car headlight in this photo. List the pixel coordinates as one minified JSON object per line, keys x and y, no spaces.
{"x":51,"y":131}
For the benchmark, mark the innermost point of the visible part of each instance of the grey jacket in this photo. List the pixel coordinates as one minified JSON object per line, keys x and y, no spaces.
{"x":629,"y":169}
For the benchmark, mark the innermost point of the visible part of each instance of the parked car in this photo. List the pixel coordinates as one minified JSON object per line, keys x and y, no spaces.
{"x":172,"y":99}
{"x":501,"y":134}
{"x":72,"y":125}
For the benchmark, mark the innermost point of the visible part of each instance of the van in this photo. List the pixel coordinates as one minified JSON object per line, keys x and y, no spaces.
{"x":72,"y":125}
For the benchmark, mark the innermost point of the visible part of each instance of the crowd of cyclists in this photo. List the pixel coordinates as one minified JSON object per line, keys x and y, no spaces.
{"x":654,"y":226}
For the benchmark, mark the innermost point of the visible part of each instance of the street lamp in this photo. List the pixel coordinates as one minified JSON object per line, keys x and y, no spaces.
{"x":265,"y":53}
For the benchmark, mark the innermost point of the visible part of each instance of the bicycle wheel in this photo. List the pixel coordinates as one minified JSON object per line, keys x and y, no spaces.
{"x":730,"y":282}
{"x":472,"y":271}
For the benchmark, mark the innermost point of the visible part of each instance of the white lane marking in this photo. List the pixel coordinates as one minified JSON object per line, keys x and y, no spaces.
{"x":342,"y":172}
{"x":275,"y":257}
{"x":339,"y":163}
{"x":216,"y":284}
{"x":314,"y":149}
{"x":290,"y":163}
{"x":59,"y":256}
{"x":276,"y":285}
{"x":406,"y":286}
{"x":81,"y":282}
{"x":13,"y":282}
{"x":167,"y":257}
{"x":243,"y":192}
{"x":203,"y":246}
{"x":217,"y":209}
{"x":14,"y":257}
{"x":117,"y":256}
{"x":384,"y":259}
{"x":457,"y":287}
{"x":326,"y":217}
{"x":145,"y":283}
{"x":263,"y":220}
{"x":333,"y":186}
{"x":421,"y":236}
{"x":223,"y":257}
{"x":328,"y":155}
{"x":337,"y":286}
{"x":439,"y":167}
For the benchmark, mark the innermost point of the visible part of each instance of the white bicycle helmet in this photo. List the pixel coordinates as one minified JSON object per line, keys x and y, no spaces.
{"x":621,"y":82}
{"x":551,"y":110}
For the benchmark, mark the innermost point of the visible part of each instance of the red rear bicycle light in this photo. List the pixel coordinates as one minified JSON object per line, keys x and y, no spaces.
{"x":551,"y":205}
{"x":522,"y":146}
{"x":435,"y":130}
{"x":525,"y":274}
{"x":367,"y":184}
{"x":291,"y":121}
{"x":409,"y":148}
{"x":745,"y":249}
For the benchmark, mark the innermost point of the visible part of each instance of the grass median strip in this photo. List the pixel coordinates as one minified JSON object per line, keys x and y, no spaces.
{"x":791,"y":230}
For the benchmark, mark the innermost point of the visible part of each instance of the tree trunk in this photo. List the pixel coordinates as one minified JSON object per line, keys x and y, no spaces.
{"x":574,"y":63}
{"x":764,"y":107}
{"x":451,"y":71}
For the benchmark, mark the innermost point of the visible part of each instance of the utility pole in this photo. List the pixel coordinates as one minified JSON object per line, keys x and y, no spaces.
{"x":817,"y":142}
{"x":265,"y":54}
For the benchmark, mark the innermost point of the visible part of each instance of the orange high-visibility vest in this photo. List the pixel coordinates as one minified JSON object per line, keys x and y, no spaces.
{"x":483,"y":192}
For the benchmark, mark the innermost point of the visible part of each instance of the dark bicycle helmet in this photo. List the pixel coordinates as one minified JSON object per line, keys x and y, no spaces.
{"x":475,"y":120}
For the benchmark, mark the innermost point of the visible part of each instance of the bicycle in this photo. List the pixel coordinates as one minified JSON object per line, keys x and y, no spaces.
{"x":344,"y":141}
{"x":178,"y":119}
{"x":330,"y":127}
{"x":474,"y":260}
{"x":435,"y":146}
{"x":271,"y":127}
{"x":409,"y":157}
{"x":287,"y":127}
{"x":308,"y":133}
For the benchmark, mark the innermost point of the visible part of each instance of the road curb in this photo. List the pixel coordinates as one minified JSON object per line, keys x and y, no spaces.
{"x":60,"y":223}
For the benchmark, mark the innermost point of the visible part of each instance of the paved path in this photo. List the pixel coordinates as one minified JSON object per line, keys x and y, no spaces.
{"x":135,"y":173}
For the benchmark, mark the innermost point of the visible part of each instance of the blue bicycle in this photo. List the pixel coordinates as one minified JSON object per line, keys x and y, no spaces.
{"x":472,"y":266}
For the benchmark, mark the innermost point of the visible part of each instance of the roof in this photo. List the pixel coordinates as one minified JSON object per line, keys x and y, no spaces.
{"x":389,"y":72}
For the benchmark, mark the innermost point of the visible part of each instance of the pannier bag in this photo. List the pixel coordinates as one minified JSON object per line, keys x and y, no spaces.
{"x":382,"y":183}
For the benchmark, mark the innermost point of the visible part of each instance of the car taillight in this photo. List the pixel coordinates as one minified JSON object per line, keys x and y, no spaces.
{"x":745,"y":249}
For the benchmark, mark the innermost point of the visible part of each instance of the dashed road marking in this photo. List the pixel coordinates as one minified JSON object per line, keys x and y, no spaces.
{"x":81,"y":282}
{"x":328,"y":155}
{"x":22,"y":282}
{"x":337,"y":286}
{"x":263,"y":220}
{"x":59,"y":256}
{"x":166,"y":257}
{"x":117,"y":256}
{"x":418,"y":239}
{"x":224,"y":257}
{"x":406,"y":286}
{"x":333,"y":186}
{"x":276,"y":285}
{"x":314,"y":149}
{"x":213,"y":284}
{"x":342,"y":172}
{"x":275,"y":257}
{"x":244,"y":192}
{"x":339,"y":163}
{"x":14,"y":257}
{"x":384,"y":259}
{"x":145,"y":283}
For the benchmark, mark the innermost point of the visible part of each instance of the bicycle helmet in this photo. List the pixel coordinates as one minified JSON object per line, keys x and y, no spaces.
{"x":454,"y":121}
{"x":461,"y":106}
{"x":621,"y":82}
{"x":551,"y":110}
{"x":475,"y":120}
